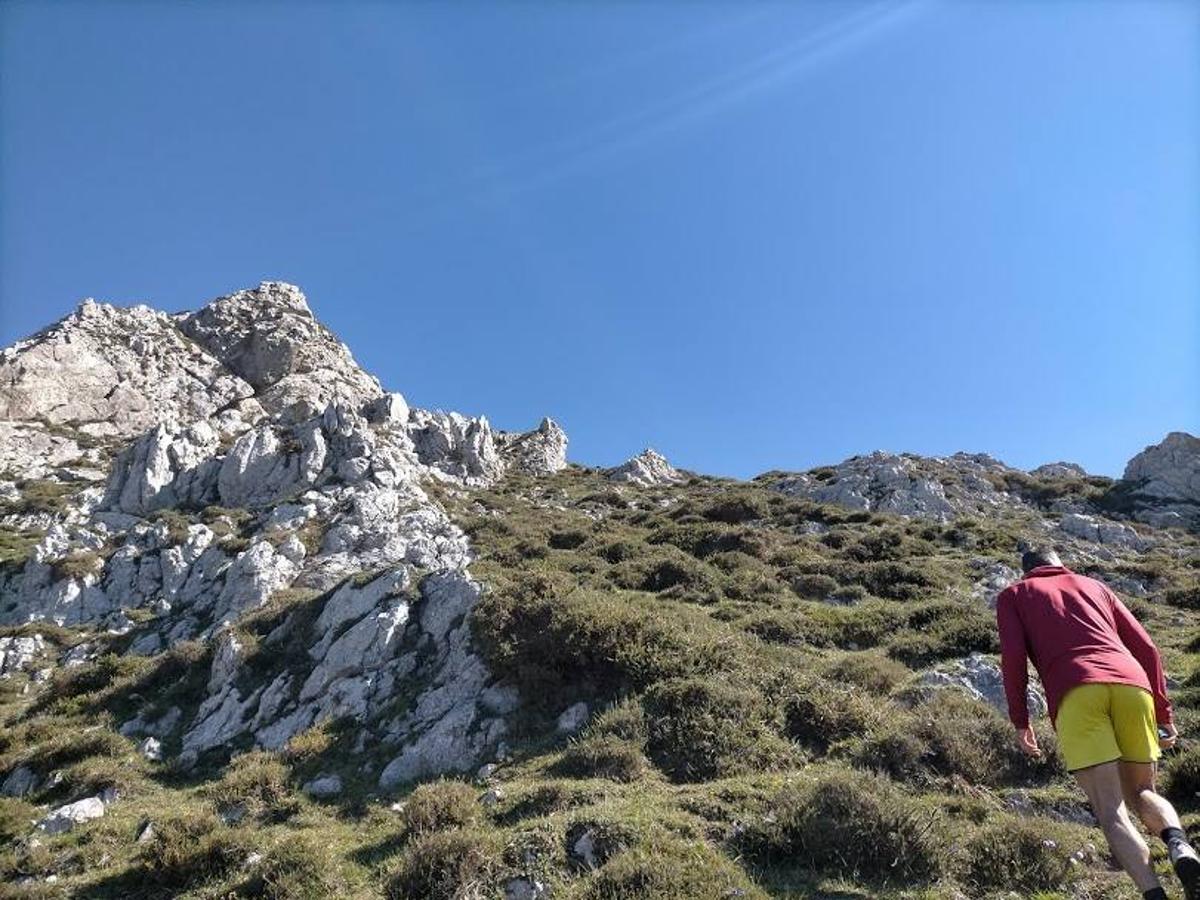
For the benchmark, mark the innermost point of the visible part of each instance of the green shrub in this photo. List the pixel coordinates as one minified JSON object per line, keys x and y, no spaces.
{"x":461,"y":864}
{"x":612,"y":641}
{"x":870,"y":670}
{"x":78,"y":564}
{"x":1026,"y":855}
{"x":257,"y":782}
{"x":953,"y":735}
{"x":440,"y":805}
{"x":1181,"y":781}
{"x":1185,"y":597}
{"x":819,"y":713}
{"x":699,"y":729}
{"x":302,"y":867}
{"x":568,"y":539}
{"x":851,"y":825}
{"x":43,"y":497}
{"x":625,"y":720}
{"x":813,"y":586}
{"x":189,"y":849}
{"x":670,"y":870}
{"x":736,"y":509}
{"x":603,"y":756}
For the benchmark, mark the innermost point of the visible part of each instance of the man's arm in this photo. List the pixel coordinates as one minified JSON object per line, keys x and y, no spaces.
{"x":1138,"y":642}
{"x":1014,"y":657}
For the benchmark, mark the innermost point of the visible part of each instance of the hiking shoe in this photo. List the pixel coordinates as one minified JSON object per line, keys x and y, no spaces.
{"x":1186,"y":864}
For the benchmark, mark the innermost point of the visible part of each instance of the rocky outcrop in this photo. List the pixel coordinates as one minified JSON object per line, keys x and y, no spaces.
{"x":542,"y":451}
{"x":111,"y":371}
{"x":648,"y":469}
{"x":1163,"y":481}
{"x":906,"y":485}
{"x":270,"y":339}
{"x":982,"y":680}
{"x":1059,"y":470}
{"x":1102,"y":531}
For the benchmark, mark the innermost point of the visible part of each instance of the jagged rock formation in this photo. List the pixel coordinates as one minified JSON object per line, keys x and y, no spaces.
{"x":646,"y":469}
{"x":263,"y":461}
{"x":1164,"y":481}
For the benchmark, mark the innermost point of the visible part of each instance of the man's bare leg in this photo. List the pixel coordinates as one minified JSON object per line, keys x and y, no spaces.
{"x":1103,"y":787}
{"x":1137,"y":784}
{"x":1158,"y":815}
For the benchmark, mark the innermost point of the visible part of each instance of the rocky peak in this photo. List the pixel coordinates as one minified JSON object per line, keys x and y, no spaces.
{"x":648,"y":468}
{"x":106,"y":370}
{"x":1164,"y":481}
{"x":269,"y":337}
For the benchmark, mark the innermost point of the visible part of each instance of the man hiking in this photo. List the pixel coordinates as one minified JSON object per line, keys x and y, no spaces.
{"x":1107,"y":696}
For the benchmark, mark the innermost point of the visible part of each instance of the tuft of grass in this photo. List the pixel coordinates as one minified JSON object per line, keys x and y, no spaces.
{"x":699,"y":729}
{"x":192,"y":848}
{"x":1013,"y":853}
{"x":459,"y":864}
{"x":440,"y":805}
{"x":603,"y":756}
{"x":258,"y":782}
{"x":854,"y":826}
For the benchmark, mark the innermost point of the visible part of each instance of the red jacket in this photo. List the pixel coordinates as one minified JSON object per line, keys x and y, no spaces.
{"x":1076,"y":631}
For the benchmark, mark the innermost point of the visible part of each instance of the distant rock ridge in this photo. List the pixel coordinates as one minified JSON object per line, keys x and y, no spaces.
{"x":646,"y":469}
{"x":1164,"y":481}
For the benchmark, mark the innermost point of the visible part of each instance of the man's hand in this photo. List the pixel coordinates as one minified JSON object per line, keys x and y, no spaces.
{"x":1028,"y":741}
{"x":1167,"y":736}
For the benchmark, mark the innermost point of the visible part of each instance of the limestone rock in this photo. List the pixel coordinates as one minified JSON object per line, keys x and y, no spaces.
{"x":573,"y":718}
{"x":982,"y":680}
{"x":324,"y":786}
{"x":1060,"y":470}
{"x":647,"y":469}
{"x":269,"y":337}
{"x":1103,"y":531}
{"x":1165,"y":478}
{"x":17,"y":653}
{"x":113,"y":371}
{"x":542,"y":451}
{"x":65,"y":818}
{"x":20,"y":782}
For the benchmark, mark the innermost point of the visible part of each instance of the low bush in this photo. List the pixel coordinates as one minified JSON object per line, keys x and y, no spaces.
{"x":302,"y":867}
{"x":440,"y":805}
{"x":1026,"y":855}
{"x":447,"y":865}
{"x":953,"y":735}
{"x":736,"y":509}
{"x":625,"y":720}
{"x":700,"y":729}
{"x":77,"y":565}
{"x":603,"y":756}
{"x":1181,"y":778}
{"x":257,"y":782}
{"x":670,"y":870}
{"x":818,"y":713}
{"x":189,"y":849}
{"x":870,"y":670}
{"x":854,"y":826}
{"x":813,"y":587}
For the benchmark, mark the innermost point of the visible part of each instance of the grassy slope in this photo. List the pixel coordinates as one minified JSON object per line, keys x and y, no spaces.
{"x":754,"y":740}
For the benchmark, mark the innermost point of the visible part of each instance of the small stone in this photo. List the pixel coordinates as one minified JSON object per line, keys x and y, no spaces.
{"x":524,"y":889}
{"x":573,"y":718}
{"x":145,"y":832}
{"x":231,"y":815}
{"x":151,"y":748}
{"x":67,"y":817}
{"x":491,"y":798}
{"x":252,"y":860}
{"x":324,"y":786}
{"x":485,"y":772}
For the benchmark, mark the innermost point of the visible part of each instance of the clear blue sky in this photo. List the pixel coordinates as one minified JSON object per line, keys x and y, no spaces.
{"x":753,"y":236}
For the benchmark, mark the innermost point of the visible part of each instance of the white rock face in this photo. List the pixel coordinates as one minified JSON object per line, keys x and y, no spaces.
{"x":647,"y":469}
{"x":18,"y":653}
{"x":269,"y":337}
{"x":934,"y":488}
{"x":994,"y":578}
{"x":539,"y":452}
{"x":1103,"y":531}
{"x":1059,"y":470}
{"x":1167,"y":476}
{"x":120,"y":371}
{"x":982,"y":680}
{"x":65,"y":818}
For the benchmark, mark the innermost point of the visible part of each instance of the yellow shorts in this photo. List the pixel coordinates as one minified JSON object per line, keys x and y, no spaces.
{"x":1099,"y":723}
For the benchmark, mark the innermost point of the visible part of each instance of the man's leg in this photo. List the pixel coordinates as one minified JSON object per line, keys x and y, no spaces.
{"x":1102,"y":784}
{"x":1159,"y":817}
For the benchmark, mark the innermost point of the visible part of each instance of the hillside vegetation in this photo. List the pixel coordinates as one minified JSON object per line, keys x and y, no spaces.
{"x":758,"y":725}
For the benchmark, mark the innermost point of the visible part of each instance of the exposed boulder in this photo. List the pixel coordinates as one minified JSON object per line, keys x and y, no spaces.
{"x":269,"y":337}
{"x":647,"y":469}
{"x":112,"y":371}
{"x":982,"y":680}
{"x":1056,"y":470}
{"x":542,"y":451}
{"x":1103,"y":531}
{"x":17,"y":653}
{"x":20,"y":782}
{"x":1164,"y":481}
{"x":65,"y":818}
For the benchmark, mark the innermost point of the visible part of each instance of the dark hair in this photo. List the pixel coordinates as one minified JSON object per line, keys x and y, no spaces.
{"x":1032,"y":557}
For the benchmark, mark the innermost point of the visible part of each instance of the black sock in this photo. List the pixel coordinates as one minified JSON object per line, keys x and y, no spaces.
{"x":1170,"y":835}
{"x":1155,"y":894}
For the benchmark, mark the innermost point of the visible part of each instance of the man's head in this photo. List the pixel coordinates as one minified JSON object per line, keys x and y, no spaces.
{"x":1032,"y":557}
